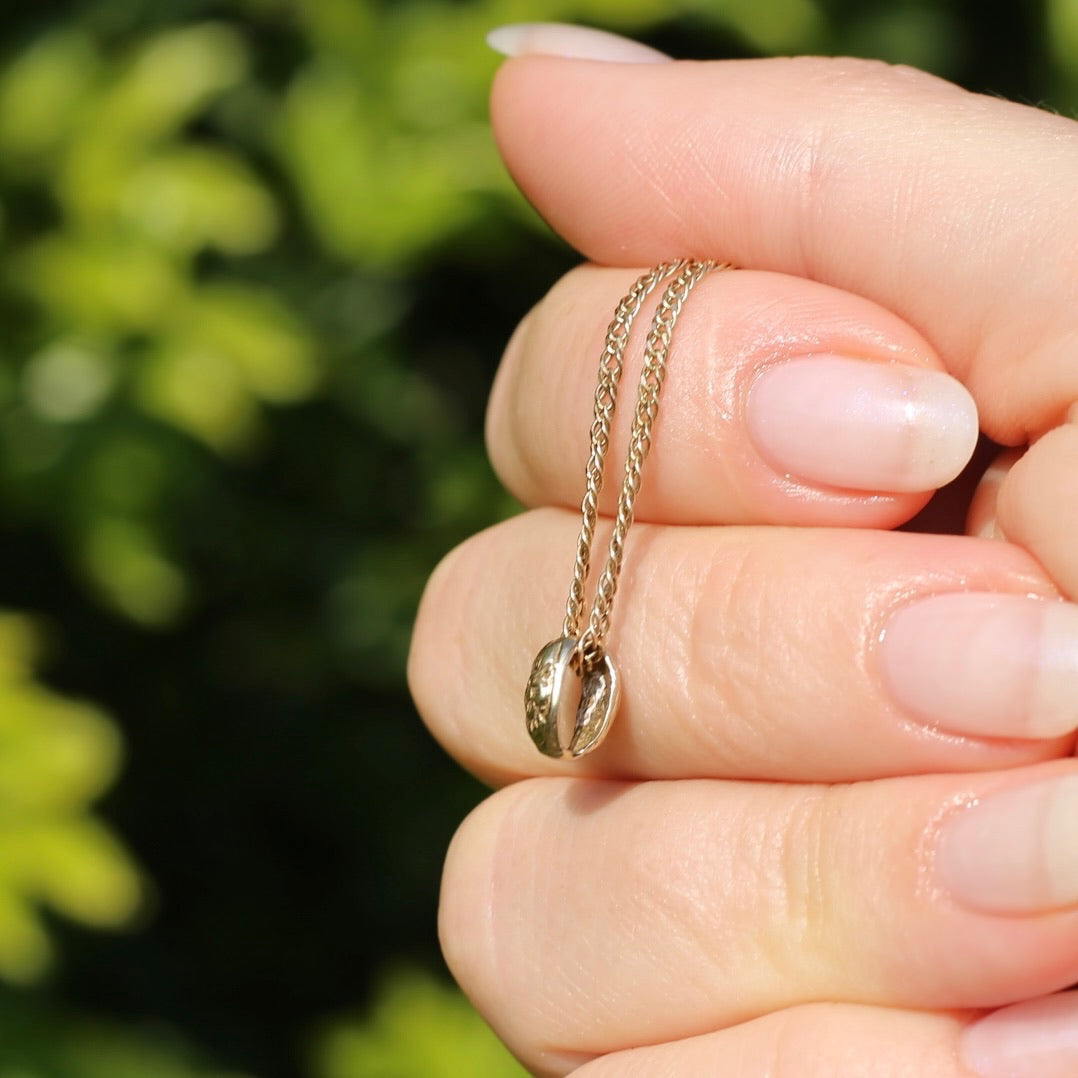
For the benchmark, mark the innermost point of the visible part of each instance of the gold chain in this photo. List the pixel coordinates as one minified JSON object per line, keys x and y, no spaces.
{"x":554,"y":731}
{"x":591,"y":646}
{"x":611,"y":365}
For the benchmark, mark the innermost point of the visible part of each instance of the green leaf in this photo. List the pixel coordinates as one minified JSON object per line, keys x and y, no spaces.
{"x":192,"y":198}
{"x":56,"y":756}
{"x":416,"y":1026}
{"x":42,"y":95}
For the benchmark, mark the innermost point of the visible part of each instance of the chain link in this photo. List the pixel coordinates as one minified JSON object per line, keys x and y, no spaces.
{"x":611,"y":365}
{"x":574,"y":687}
{"x":592,"y":644}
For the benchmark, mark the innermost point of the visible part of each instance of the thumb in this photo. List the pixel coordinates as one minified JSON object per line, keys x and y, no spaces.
{"x":955,"y":211}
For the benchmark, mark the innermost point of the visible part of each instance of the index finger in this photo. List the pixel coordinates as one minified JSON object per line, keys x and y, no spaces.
{"x":953,"y":210}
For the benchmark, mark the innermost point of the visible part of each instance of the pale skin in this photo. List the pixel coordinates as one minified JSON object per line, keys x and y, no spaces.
{"x":835,"y":827}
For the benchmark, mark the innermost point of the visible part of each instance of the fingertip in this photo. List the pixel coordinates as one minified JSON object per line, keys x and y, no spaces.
{"x":1037,"y":505}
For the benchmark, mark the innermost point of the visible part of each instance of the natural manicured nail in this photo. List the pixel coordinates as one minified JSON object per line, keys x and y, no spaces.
{"x":982,"y":519}
{"x":569,"y":42}
{"x":1036,"y":1039}
{"x":1014,"y":851}
{"x":856,"y":424}
{"x":986,"y":665}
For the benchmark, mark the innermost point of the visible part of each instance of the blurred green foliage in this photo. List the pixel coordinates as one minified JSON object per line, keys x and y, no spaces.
{"x":257,"y":261}
{"x":37,"y":1044}
{"x":417,"y":1027}
{"x":56,"y":756}
{"x":122,"y":325}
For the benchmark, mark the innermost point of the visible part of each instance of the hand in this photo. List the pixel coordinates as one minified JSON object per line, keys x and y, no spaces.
{"x":737,"y":926}
{"x":953,"y":210}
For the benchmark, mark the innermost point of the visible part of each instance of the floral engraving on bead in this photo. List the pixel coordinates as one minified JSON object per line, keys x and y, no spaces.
{"x":542,"y":696}
{"x":556,"y":685}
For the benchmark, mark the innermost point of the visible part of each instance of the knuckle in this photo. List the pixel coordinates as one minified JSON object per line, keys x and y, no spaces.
{"x":806,"y":831}
{"x":803,"y":886}
{"x":729,"y":691}
{"x":755,"y":896}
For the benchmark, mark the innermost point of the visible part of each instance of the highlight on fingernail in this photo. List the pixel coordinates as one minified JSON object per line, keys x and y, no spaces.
{"x":1014,"y":850}
{"x":1034,"y":1039}
{"x":570,"y":43}
{"x":859,"y":424}
{"x":984,"y":664}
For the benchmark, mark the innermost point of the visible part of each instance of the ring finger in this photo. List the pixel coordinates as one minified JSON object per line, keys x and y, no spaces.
{"x":586,"y":917}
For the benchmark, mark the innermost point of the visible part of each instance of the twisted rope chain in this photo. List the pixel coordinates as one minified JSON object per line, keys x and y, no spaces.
{"x":591,"y":645}
{"x":611,"y":365}
{"x":573,"y":691}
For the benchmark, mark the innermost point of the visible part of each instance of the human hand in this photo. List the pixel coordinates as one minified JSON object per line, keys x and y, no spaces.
{"x":953,"y":210}
{"x":733,"y":925}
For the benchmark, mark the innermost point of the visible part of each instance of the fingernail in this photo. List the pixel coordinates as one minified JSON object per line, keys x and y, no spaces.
{"x":569,"y":42}
{"x":862,"y":425}
{"x":1037,"y":1039}
{"x":982,"y":519}
{"x":986,"y":665}
{"x":1014,"y":851}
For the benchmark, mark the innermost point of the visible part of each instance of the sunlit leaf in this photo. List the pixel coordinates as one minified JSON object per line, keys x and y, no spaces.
{"x":42,"y":94}
{"x":200,"y":391}
{"x":25,"y":950}
{"x":271,"y":350}
{"x":68,"y":380}
{"x":415,"y":1027}
{"x":74,"y":865}
{"x":1062,"y":20}
{"x":193,"y":198}
{"x":56,"y":756}
{"x":101,"y":286}
{"x":171,"y":77}
{"x":124,"y":561}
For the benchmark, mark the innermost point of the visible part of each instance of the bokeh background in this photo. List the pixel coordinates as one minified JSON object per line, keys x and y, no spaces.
{"x":257,"y":262}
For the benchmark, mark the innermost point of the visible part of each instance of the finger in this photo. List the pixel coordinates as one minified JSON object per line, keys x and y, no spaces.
{"x":983,"y":517}
{"x":759,"y":652}
{"x":585,"y":917}
{"x":785,"y":402}
{"x":843,"y":171}
{"x":1034,"y":1039}
{"x":1037,"y":504}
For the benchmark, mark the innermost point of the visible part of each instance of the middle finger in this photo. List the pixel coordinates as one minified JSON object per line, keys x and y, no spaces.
{"x":764,"y":653}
